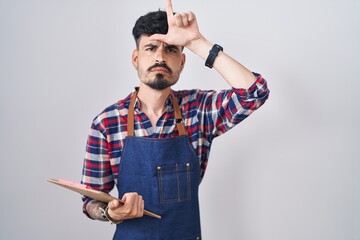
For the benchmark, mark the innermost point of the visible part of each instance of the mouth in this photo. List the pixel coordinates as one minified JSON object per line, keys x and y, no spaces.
{"x":160,"y":69}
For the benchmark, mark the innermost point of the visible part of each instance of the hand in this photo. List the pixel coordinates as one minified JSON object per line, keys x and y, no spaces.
{"x":133,"y":207}
{"x":183,"y":28}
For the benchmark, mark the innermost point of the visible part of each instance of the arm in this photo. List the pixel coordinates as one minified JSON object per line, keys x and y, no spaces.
{"x":96,"y":171}
{"x":98,"y":175}
{"x":184,"y":31}
{"x":236,"y":75}
{"x":220,"y":111}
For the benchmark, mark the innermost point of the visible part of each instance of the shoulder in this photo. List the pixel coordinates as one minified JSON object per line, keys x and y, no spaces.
{"x":114,"y":111}
{"x":186,"y":96}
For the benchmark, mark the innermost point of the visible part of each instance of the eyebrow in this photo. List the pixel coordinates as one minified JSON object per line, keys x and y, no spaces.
{"x":150,"y":45}
{"x":156,"y":45}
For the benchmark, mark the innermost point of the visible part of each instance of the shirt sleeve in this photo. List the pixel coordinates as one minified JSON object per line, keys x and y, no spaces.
{"x":97,"y":171}
{"x":220,"y":111}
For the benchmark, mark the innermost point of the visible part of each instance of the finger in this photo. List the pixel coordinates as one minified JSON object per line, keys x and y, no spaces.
{"x":133,"y":205}
{"x":169,"y":10}
{"x":127,"y":208}
{"x":128,"y":198}
{"x":178,"y":20}
{"x":140,"y":206}
{"x":114,"y":204}
{"x":133,"y":201}
{"x":185,"y":19}
{"x":191,"y":16}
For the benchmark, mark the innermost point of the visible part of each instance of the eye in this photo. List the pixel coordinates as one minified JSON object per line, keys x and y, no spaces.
{"x":151,"y":49}
{"x":172,"y":50}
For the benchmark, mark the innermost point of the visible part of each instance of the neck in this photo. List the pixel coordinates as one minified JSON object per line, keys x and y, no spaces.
{"x":152,"y":101}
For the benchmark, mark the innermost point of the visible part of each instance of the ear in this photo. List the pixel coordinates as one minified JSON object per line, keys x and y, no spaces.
{"x":134,"y":58}
{"x":183,"y":60}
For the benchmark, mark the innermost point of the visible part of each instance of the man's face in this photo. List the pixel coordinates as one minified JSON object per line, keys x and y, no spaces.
{"x":158,"y":64}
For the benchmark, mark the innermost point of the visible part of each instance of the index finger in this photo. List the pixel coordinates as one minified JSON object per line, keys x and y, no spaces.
{"x":169,"y":9}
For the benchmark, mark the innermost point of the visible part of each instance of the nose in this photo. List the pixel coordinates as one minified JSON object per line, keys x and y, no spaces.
{"x":159,"y":61}
{"x":160,"y":55}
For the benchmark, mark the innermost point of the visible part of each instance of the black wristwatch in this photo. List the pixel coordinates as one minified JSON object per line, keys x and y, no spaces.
{"x":212,"y":55}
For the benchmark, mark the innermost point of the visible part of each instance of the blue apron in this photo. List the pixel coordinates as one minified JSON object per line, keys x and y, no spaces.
{"x":165,"y":172}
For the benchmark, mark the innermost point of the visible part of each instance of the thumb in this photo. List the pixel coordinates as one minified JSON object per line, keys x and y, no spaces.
{"x":114,"y":204}
{"x":158,"y":37}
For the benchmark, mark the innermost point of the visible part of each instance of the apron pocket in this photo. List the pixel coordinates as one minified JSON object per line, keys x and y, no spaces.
{"x":174,"y":183}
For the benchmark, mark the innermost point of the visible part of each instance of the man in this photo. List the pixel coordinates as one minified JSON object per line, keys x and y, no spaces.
{"x":154,"y":144}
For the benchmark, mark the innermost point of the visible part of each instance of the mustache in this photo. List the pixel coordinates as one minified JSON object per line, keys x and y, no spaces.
{"x":162,"y":65}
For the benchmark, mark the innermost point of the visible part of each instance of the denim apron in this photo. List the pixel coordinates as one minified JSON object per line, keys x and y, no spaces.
{"x":165,"y":172}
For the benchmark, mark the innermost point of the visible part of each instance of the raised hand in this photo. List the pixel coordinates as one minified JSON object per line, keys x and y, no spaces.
{"x":183,"y":28}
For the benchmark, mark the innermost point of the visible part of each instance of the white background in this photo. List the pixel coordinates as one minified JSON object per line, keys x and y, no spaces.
{"x":290,"y":171}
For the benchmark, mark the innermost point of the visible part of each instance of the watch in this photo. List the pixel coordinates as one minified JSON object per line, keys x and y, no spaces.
{"x":212,"y":55}
{"x":104,"y":210}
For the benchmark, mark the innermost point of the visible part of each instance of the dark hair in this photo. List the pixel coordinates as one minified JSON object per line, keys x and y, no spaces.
{"x":149,"y":24}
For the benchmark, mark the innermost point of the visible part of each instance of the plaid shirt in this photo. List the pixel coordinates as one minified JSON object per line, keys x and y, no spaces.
{"x":206,"y":114}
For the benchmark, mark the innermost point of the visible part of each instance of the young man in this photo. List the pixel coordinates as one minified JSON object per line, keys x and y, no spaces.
{"x":154,"y":144}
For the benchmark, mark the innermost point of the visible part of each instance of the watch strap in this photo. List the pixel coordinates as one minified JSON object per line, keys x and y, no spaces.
{"x":106,"y":216}
{"x":212,"y":55}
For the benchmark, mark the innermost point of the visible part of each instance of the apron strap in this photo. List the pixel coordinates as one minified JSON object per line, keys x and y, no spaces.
{"x":130,"y":117}
{"x":178,"y":118}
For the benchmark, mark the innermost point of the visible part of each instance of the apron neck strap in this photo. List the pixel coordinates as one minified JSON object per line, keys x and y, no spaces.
{"x":178,"y":118}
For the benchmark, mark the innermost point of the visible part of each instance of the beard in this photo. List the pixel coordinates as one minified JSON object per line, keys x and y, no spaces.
{"x":159,"y":82}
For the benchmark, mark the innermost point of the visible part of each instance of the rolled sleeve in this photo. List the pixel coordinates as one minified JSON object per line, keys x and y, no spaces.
{"x":229,"y":107}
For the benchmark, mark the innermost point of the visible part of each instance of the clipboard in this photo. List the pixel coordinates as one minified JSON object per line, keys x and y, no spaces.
{"x":91,"y":193}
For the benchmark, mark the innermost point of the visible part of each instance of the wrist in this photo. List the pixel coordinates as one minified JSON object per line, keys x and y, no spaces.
{"x":212,"y":55}
{"x":111,"y":219}
{"x":200,"y":46}
{"x":104,"y":209}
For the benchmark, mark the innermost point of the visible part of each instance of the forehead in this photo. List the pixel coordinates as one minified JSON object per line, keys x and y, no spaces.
{"x":145,"y":40}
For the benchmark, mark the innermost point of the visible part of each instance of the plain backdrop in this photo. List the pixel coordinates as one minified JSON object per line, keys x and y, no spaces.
{"x":291,"y":171}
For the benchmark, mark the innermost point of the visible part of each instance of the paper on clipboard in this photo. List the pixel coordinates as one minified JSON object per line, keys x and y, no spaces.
{"x":91,"y":193}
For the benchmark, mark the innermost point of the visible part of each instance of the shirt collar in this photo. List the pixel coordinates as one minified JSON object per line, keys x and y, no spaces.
{"x":168,"y":102}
